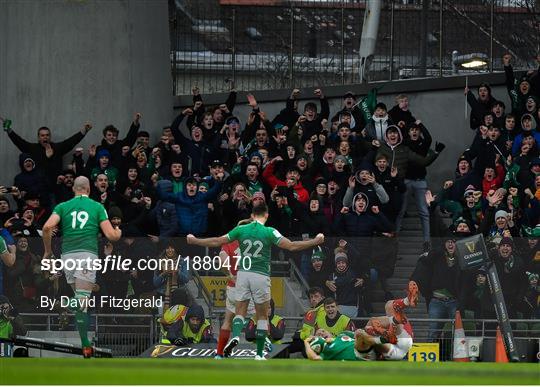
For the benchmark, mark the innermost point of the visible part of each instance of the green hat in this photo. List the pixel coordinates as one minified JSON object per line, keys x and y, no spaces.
{"x":317,"y":255}
{"x":204,"y":184}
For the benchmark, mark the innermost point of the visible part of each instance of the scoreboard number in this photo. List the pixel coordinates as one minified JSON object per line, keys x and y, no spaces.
{"x":424,"y":352}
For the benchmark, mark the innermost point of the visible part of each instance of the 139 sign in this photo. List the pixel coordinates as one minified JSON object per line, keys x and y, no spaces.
{"x":424,"y":352}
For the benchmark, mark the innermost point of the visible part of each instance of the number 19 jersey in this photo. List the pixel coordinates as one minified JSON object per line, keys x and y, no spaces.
{"x":80,"y":218}
{"x":256,"y":242}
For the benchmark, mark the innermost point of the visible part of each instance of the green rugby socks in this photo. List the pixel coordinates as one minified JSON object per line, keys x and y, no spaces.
{"x":81,"y":315}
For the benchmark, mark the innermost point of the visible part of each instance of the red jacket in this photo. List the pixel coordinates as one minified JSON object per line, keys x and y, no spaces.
{"x":495,"y":183}
{"x":268,"y":176}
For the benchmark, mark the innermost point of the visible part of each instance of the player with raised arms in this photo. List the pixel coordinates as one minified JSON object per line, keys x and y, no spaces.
{"x":80,"y":220}
{"x":253,"y":278}
{"x":229,"y":254}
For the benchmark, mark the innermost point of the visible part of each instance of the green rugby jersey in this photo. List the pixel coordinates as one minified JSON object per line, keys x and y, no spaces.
{"x":342,"y":348}
{"x":3,"y":246}
{"x":255,"y":244}
{"x":80,"y":218}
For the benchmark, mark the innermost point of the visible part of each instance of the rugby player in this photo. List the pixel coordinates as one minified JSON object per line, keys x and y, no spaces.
{"x":345,"y":346}
{"x":230,"y":251}
{"x":395,"y":323}
{"x":253,"y":278}
{"x":80,"y":220}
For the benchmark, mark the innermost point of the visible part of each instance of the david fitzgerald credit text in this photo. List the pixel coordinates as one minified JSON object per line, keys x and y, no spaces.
{"x":100,"y":302}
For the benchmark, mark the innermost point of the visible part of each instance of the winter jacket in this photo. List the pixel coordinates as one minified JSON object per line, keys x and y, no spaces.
{"x":49,"y":167}
{"x":397,"y":115}
{"x":268,"y":175}
{"x":191,"y":211}
{"x":420,"y":147}
{"x":33,"y":181}
{"x":361,"y":224}
{"x":346,"y":293}
{"x":478,"y":109}
{"x":433,"y":273}
{"x":357,"y":118}
{"x":201,"y":153}
{"x":485,"y":152}
{"x":376,"y":128}
{"x":401,"y":156}
{"x":518,"y":99}
{"x":116,"y":149}
{"x":165,"y":212}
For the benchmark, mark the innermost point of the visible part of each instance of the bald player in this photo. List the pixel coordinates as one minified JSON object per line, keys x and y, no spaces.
{"x":80,"y":220}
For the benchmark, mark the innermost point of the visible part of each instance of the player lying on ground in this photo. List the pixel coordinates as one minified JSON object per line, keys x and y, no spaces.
{"x":80,"y":220}
{"x":253,"y":278}
{"x":345,"y":346}
{"x":395,"y":323}
{"x":389,"y":336}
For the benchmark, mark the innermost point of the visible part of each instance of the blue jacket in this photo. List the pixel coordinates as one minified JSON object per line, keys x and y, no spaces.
{"x":165,"y":212}
{"x":191,"y":211}
{"x":516,"y":146}
{"x":4,"y":233}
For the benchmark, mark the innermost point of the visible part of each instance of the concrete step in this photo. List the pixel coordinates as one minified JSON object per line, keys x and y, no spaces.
{"x":408,"y":233}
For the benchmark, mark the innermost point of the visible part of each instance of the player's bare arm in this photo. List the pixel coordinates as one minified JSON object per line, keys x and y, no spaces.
{"x":9,"y":256}
{"x":48,"y":227}
{"x":207,"y":242}
{"x":287,"y":244}
{"x":111,"y":233}
{"x":309,"y":351}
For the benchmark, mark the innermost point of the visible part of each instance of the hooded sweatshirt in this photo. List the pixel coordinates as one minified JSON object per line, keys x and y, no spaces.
{"x":33,"y":181}
{"x":518,"y":140}
{"x":363,"y":223}
{"x":401,"y":156}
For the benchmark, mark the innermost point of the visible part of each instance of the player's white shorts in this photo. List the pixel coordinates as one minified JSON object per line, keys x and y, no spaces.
{"x":399,"y":351}
{"x":75,"y":261}
{"x":252,"y":285}
{"x":230,"y":302}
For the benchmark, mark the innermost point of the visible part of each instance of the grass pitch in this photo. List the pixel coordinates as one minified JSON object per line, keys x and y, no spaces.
{"x":249,"y":372}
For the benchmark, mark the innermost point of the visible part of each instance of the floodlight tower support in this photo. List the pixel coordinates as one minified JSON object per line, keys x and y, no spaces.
{"x":368,"y":41}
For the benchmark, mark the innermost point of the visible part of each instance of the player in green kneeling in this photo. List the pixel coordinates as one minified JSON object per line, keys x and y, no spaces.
{"x":253,"y":278}
{"x":80,"y":220}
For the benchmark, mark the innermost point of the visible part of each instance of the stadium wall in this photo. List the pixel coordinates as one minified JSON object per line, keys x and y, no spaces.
{"x":64,"y":62}
{"x":439,"y":103}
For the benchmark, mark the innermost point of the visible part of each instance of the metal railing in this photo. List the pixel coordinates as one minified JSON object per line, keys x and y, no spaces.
{"x":286,"y":44}
{"x":203,"y":292}
{"x":296,"y":274}
{"x":128,"y":335}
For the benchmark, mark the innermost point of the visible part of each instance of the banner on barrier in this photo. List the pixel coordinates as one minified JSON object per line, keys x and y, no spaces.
{"x":217,"y":287}
{"x":242,"y":351}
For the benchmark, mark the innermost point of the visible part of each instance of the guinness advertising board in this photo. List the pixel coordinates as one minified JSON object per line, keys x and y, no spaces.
{"x":472,"y":252}
{"x":242,"y":351}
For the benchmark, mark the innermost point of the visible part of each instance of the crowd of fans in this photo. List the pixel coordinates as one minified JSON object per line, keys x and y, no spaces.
{"x":348,"y":175}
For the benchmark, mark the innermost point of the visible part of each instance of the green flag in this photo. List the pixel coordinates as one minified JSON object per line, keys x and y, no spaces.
{"x":368,"y":103}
